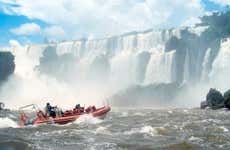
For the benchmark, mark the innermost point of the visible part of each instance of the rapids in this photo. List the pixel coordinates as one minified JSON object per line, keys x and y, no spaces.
{"x":122,"y":129}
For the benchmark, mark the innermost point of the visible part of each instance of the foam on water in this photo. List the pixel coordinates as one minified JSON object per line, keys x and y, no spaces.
{"x":149,"y":130}
{"x":124,"y":114}
{"x":195,"y":139}
{"x":203,"y":129}
{"x":7,"y":123}
{"x":185,"y":111}
{"x":170,"y":112}
{"x":139,"y":114}
{"x":88,"y":119}
{"x":102,"y":130}
{"x":224,"y":129}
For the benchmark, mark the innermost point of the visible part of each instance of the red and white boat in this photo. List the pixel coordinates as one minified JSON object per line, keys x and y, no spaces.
{"x":38,"y":117}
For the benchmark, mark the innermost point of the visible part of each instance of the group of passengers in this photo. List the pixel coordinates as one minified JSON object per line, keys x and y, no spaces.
{"x":53,"y":111}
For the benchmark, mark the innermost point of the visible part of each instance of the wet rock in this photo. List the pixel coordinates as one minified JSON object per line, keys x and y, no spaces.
{"x":50,"y":60}
{"x":7,"y":65}
{"x":203,"y":105}
{"x":215,"y":99}
{"x":227,"y":99}
{"x":2,"y":105}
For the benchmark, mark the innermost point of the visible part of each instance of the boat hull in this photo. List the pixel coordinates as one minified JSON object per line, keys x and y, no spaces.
{"x":99,"y":113}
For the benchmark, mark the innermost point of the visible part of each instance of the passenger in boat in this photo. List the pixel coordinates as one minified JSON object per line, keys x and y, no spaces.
{"x":90,"y":109}
{"x":24,"y":117}
{"x":78,"y":106}
{"x":50,"y":110}
{"x":41,"y":115}
{"x":78,"y":109}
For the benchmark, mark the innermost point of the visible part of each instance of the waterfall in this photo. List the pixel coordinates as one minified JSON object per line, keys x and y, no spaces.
{"x":94,"y":69}
{"x":90,"y":70}
{"x":65,"y":48}
{"x":123,"y":69}
{"x":205,"y":65}
{"x":186,"y":68}
{"x":219,"y":76}
{"x":159,"y":69}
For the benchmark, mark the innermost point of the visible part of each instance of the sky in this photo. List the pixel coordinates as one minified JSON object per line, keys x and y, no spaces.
{"x":37,"y":21}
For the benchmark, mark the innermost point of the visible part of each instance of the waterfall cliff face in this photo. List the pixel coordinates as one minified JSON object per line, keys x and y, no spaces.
{"x":120,"y":57}
{"x":101,"y":67}
{"x":89,"y":70}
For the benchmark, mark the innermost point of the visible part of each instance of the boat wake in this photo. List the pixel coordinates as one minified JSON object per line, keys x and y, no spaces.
{"x":88,"y":119}
{"x":8,"y":123}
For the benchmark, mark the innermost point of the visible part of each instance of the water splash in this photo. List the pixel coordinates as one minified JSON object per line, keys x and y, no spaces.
{"x":149,"y":130}
{"x":224,"y":129}
{"x":102,"y":130}
{"x":88,"y":119}
{"x":8,"y":123}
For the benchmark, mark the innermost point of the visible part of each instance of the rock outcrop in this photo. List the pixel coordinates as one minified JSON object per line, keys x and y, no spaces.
{"x":203,"y":105}
{"x":7,"y":65}
{"x":227,"y":99}
{"x":215,"y":99}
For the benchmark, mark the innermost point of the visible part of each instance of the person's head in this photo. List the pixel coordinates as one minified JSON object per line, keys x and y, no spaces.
{"x":47,"y":104}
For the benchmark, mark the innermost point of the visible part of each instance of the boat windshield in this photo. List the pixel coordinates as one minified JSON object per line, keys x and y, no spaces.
{"x":30,"y":110}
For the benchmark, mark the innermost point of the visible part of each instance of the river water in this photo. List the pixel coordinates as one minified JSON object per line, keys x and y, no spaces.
{"x":125,"y":129}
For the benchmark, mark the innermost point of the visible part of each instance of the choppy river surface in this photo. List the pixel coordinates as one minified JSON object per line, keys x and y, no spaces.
{"x":133,"y":129}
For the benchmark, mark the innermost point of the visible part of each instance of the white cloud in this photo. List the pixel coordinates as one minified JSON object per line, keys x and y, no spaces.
{"x":222,"y":2}
{"x":191,"y":22}
{"x":8,"y":1}
{"x":108,"y":17}
{"x":54,"y":33}
{"x":27,"y":29}
{"x":14,"y":43}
